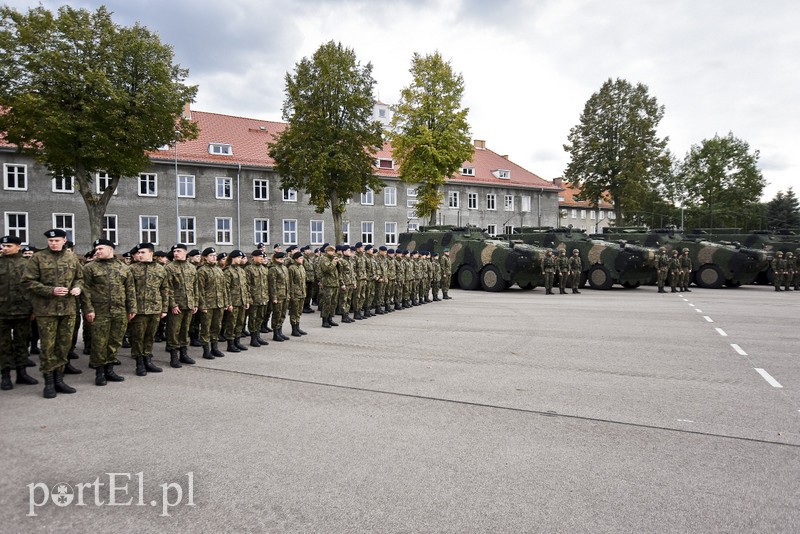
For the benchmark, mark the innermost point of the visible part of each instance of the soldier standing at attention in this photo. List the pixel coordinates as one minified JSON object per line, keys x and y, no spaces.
{"x":446,"y":274}
{"x":311,"y":278}
{"x":436,"y":279}
{"x":391,"y":280}
{"x":278,"y":295}
{"x":152,"y":304}
{"x":549,"y":270}
{"x":109,"y":303}
{"x":239,"y":292}
{"x":349,"y":284}
{"x":686,"y":270}
{"x":329,"y":285}
{"x":182,"y":277}
{"x":563,"y":272}
{"x":297,"y":292}
{"x":778,"y":270}
{"x":212,"y":300}
{"x":15,"y":315}
{"x":662,"y":266}
{"x":576,"y":269}
{"x":675,"y":272}
{"x":791,"y":268}
{"x":54,"y":277}
{"x":258,"y":283}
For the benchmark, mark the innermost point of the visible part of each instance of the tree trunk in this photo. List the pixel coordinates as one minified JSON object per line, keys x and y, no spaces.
{"x":96,"y":205}
{"x":336,"y":213}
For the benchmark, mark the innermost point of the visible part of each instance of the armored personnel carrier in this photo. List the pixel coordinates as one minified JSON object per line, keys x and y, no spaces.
{"x":477,"y":259}
{"x":713,"y":264}
{"x":604,"y":263}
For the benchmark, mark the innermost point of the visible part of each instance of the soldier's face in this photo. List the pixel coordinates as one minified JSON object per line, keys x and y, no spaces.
{"x":103,"y":252}
{"x":27,"y":254}
{"x":179,"y":254}
{"x":10,"y":249}
{"x":56,"y":243}
{"x":300,"y":260}
{"x":211,"y":258}
{"x":144,"y":255}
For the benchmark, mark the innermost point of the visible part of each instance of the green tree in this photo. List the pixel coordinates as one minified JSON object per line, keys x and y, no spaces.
{"x":722,"y":178}
{"x":783,"y":211}
{"x":615,"y":152}
{"x":328,"y":147}
{"x":84,"y":95}
{"x":430,"y":135}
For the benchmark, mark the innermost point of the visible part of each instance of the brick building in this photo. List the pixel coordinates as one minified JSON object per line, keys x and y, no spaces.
{"x":579,"y":213}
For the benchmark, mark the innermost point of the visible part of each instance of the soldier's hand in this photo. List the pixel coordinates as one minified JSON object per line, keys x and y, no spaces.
{"x":194,"y":310}
{"x":176,"y":310}
{"x":90,"y":317}
{"x":60,"y":291}
{"x":75,"y":291}
{"x":246,"y":306}
{"x":164,"y":314}
{"x":131,"y":316}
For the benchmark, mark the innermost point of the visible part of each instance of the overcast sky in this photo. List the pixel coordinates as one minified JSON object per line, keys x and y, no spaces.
{"x":529,"y":66}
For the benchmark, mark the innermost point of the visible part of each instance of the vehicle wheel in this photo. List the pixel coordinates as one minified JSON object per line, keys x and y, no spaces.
{"x":631,"y":285}
{"x":710,"y":277}
{"x":468,"y":278}
{"x":600,"y":278}
{"x":491,"y":279}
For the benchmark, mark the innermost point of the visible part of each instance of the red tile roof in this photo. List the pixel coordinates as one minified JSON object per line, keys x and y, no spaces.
{"x":570,"y":192}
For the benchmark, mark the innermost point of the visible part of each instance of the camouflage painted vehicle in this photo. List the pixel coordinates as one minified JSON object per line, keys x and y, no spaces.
{"x":477,"y":259}
{"x":604,"y":263}
{"x":713,"y":264}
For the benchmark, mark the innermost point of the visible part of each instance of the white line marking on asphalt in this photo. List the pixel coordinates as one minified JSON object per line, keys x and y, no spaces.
{"x":692,"y":305}
{"x":772,"y":382}
{"x":738,"y":349}
{"x":721,"y":332}
{"x":689,"y":420}
{"x":685,"y":300}
{"x":707,"y":318}
{"x":698,"y":310}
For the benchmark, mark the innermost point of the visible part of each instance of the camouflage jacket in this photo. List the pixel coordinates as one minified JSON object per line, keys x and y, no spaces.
{"x":381,"y":268}
{"x":360,"y":265}
{"x":347,"y":271}
{"x":370,"y":266}
{"x":444,"y":261}
{"x":549,"y":264}
{"x":108,"y":288}
{"x":686,"y":263}
{"x":182,"y":277}
{"x":258,"y":282}
{"x":152,"y":288}
{"x":308,"y":265}
{"x":662,"y":262}
{"x":328,"y":272}
{"x":212,"y":291}
{"x":437,"y":271}
{"x":675,"y":264}
{"x":14,"y":301}
{"x":47,"y":270}
{"x":238,"y":290}
{"x":278,"y":282}
{"x":297,"y":281}
{"x":575,"y":264}
{"x":391,"y":269}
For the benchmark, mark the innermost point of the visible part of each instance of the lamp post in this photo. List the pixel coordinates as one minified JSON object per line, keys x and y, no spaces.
{"x":177,"y":194}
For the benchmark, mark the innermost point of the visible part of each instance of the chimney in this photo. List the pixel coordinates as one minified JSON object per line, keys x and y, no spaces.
{"x":480,"y":144}
{"x":558,"y":182}
{"x":504,"y":156}
{"x":187,"y":112}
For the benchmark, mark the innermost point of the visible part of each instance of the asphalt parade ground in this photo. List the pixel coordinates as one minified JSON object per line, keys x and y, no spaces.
{"x":609,"y":411}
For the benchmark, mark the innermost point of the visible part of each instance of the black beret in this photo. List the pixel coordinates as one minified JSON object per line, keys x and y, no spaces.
{"x":257,"y":252}
{"x":297,"y":255}
{"x":160,"y":254}
{"x":259,"y":245}
{"x":221,"y":256}
{"x":367,"y":247}
{"x":382,"y":247}
{"x":278,"y":255}
{"x":126,"y":254}
{"x":276,"y":245}
{"x":55,"y":232}
{"x":307,"y":247}
{"x":359,"y":244}
{"x":28,"y":248}
{"x":209,"y":250}
{"x":134,"y":250}
{"x":237,"y":254}
{"x":180,"y":245}
{"x":194,"y":252}
{"x":69,"y":244}
{"x":10,"y":240}
{"x":391,"y":251}
{"x":140,"y":246}
{"x":106,"y":242}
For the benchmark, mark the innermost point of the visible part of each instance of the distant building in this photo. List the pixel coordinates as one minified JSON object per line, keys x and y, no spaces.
{"x":579,"y":213}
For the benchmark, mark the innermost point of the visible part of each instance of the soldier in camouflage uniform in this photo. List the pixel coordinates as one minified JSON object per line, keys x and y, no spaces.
{"x":109,"y":303}
{"x":359,"y":297}
{"x":239,"y":293}
{"x":212,"y":300}
{"x":349,"y":285}
{"x":791,"y":269}
{"x":436,"y":278}
{"x":278,"y":295}
{"x":182,"y":278}
{"x":686,"y":270}
{"x":400,"y":279}
{"x":426,"y":271}
{"x":563,"y":271}
{"x":15,"y":315}
{"x":195,"y":258}
{"x":258,"y":282}
{"x":297,"y":292}
{"x":797,"y":270}
{"x":152,"y":304}
{"x":675,"y":272}
{"x":575,"y":269}
{"x":369,"y":292}
{"x":391,"y":280}
{"x":549,"y":270}
{"x":662,"y":268}
{"x":778,"y":270}
{"x":53,"y":278}
{"x":446,"y":273}
{"x":329,"y":285}
{"x":309,"y":259}
{"x":408,"y":285}
{"x":381,"y":279}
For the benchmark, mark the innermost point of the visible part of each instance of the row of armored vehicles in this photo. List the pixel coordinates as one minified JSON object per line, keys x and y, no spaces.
{"x":623,"y":256}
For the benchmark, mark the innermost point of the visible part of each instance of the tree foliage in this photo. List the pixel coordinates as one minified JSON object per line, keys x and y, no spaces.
{"x":783,"y":211}
{"x":430,"y":135}
{"x":328,"y":147}
{"x":615,"y":152}
{"x":84,"y":95}
{"x":721,"y":177}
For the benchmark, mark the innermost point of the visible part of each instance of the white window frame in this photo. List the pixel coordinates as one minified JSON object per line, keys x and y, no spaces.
{"x":453,"y":200}
{"x":186,"y":235}
{"x":411,"y":214}
{"x":390,"y":196}
{"x":261,"y":235}
{"x":508,"y":229}
{"x":413,"y":226}
{"x":612,"y":215}
{"x":412,"y":203}
{"x":289,"y":195}
{"x":378,"y":162}
{"x":390,"y":233}
{"x":411,"y":192}
{"x":491,"y":202}
{"x":105,"y":179}
{"x":368,"y":197}
{"x":142,"y":229}
{"x":491,"y":229}
{"x":526,"y":204}
{"x":503,"y":174}
{"x":59,"y":184}
{"x":346,"y":232}
{"x":220,"y":149}
{"x":20,"y":173}
{"x":316,"y":231}
{"x":592,"y":215}
{"x":290,"y":232}
{"x":260,"y":185}
{"x":225,"y":183}
{"x":111,"y":231}
{"x":574,"y":213}
{"x":468,"y":171}
{"x":508,"y":202}
{"x":185,"y":183}
{"x":223,"y":235}
{"x":16,"y":230}
{"x":602,"y":214}
{"x":472,"y":201}
{"x":145,"y":178}
{"x":583,"y":214}
{"x":368,"y":232}
{"x":69,"y":229}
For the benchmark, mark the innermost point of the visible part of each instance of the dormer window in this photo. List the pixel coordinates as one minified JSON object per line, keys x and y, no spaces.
{"x":163,"y":148}
{"x":220,"y":149}
{"x":502,"y":173}
{"x":468,"y":171}
{"x":384,"y":163}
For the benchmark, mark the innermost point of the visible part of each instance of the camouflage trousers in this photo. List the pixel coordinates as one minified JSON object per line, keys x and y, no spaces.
{"x":347,"y":300}
{"x":675,"y":277}
{"x":575,"y":279}
{"x":662,"y":278}
{"x":142,"y":333}
{"x":210,"y":325}
{"x":255,"y":317}
{"x":435,"y":288}
{"x":107,"y":333}
{"x":234,"y":322}
{"x":15,"y":333}
{"x":328,"y":297}
{"x":370,"y":297}
{"x":296,"y":310}
{"x":311,"y":293}
{"x":391,"y":291}
{"x":359,"y":295}
{"x":55,"y":333}
{"x":178,"y":328}
{"x":445,"y":283}
{"x":380,"y":293}
{"x":279,"y":313}
{"x":563,"y":276}
{"x":548,"y":280}
{"x":685,"y":277}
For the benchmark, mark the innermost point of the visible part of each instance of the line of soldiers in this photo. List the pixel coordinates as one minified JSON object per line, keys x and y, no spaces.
{"x":567,"y":269}
{"x":785,"y":272}
{"x":678,"y":268}
{"x":197,"y":299}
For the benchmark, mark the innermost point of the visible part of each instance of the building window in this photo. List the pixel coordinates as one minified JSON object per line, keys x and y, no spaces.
{"x":289,"y":195}
{"x":491,"y":229}
{"x":260,"y":231}
{"x":502,"y":173}
{"x":583,"y":214}
{"x":411,"y":192}
{"x":602,"y":215}
{"x":612,"y":215}
{"x":391,"y":233}
{"x":185,"y":187}
{"x":413,"y":226}
{"x":390,"y":196}
{"x":385,"y":164}
{"x":224,"y":234}
{"x":63,"y":184}
{"x":66,"y":222}
{"x":508,"y":202}
{"x":148,"y":229}
{"x":346,"y":233}
{"x":560,"y":198}
{"x":17,"y":225}
{"x":224,"y":187}
{"x":220,"y":149}
{"x":508,"y":229}
{"x":592,"y":215}
{"x":468,"y":171}
{"x":367,"y":232}
{"x":368,"y":198}
{"x":110,"y":228}
{"x":472,"y":201}
{"x":187,"y":233}
{"x":290,"y":231}
{"x":411,"y":214}
{"x":526,"y":204}
{"x":317,"y":232}
{"x":491,"y":202}
{"x":412,"y":203}
{"x":102,"y":181}
{"x":260,"y":190}
{"x":148,"y":185}
{"x":574,"y":213}
{"x":16,"y":177}
{"x":452,"y":199}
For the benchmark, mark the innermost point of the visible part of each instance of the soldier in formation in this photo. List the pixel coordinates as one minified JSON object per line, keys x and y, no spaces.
{"x":675,"y":271}
{"x":686,"y":270}
{"x":549,"y":265}
{"x":562,"y":265}
{"x":182,"y":280}
{"x":575,"y":269}
{"x":152,"y":301}
{"x":15,"y":315}
{"x":779,"y":271}
{"x":662,"y":268}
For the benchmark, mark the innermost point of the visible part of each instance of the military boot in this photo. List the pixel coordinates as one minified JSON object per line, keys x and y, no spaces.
{"x":332,"y":322}
{"x":357,"y":316}
{"x":100,"y":377}
{"x":346,"y":318}
{"x":29,"y":363}
{"x":24,"y":378}
{"x":276,"y":335}
{"x":58,"y":382}
{"x":6,"y":384}
{"x":265,"y":329}
{"x":232,"y":346}
{"x":195,"y":342}
{"x":150,"y":366}
{"x":254,"y":340}
{"x":295,"y":333}
{"x":49,"y":386}
{"x":261,"y":340}
{"x":72,"y":355}
{"x":184,"y":357}
{"x":379,"y":310}
{"x":173,"y":359}
{"x":302,"y":332}
{"x":238,"y":344}
{"x":111,"y":375}
{"x":126,"y":342}
{"x":140,"y":368}
{"x":207,"y":352}
{"x":216,"y":352}
{"x":308,"y":309}
{"x":70,"y":369}
{"x":325,"y":323}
